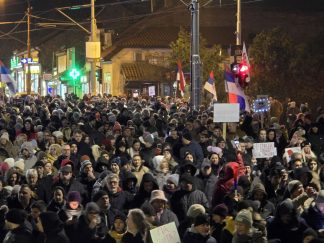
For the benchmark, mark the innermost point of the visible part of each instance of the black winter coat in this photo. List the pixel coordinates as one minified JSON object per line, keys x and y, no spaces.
{"x":22,"y":234}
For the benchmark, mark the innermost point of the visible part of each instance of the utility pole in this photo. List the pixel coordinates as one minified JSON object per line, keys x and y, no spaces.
{"x":195,"y":63}
{"x":93,"y":80}
{"x":28,"y":76}
{"x":238,"y":24}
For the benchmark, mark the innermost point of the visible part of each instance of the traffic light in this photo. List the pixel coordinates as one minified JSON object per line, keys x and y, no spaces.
{"x":99,"y":75}
{"x":241,"y":72}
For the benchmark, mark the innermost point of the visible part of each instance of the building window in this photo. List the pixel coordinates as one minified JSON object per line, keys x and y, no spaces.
{"x":138,"y":56}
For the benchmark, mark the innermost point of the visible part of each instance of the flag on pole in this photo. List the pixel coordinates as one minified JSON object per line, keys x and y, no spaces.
{"x":181,"y":79}
{"x":5,"y":77}
{"x":245,"y":58}
{"x":210,"y":85}
{"x":235,"y":92}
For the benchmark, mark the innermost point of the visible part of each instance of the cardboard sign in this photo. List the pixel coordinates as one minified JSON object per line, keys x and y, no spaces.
{"x":290,"y":151}
{"x":167,"y":233}
{"x":264,"y":150}
{"x":226,"y":112}
{"x":151,"y":90}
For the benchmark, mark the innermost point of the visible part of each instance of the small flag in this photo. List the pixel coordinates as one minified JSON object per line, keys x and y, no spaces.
{"x":181,"y":79}
{"x":210,"y":85}
{"x":5,"y":77}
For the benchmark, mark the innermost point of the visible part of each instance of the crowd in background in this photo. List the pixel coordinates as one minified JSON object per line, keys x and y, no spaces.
{"x":110,"y":169}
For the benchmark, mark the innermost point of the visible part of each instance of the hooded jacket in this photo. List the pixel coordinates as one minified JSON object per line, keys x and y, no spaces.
{"x":142,"y":195}
{"x":288,"y":233}
{"x":224,"y":185}
{"x":191,"y":236}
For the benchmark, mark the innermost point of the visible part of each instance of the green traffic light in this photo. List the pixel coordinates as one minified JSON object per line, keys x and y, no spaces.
{"x":74,"y":74}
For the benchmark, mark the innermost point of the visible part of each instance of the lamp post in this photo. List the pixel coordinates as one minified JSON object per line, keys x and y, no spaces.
{"x":28,"y":76}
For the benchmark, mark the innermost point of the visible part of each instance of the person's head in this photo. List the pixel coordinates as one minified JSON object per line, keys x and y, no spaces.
{"x":58,"y":195}
{"x":297,"y":163}
{"x":189,"y":156}
{"x":115,"y":165}
{"x":202,"y":224}
{"x":77,"y":135}
{"x":66,"y":150}
{"x":136,"y":145}
{"x":174,"y":134}
{"x":158,"y":200}
{"x":187,"y":182}
{"x":243,"y":222}
{"x":37,"y":208}
{"x":112,"y":181}
{"x":66,"y":174}
{"x":136,"y":221}
{"x":262,"y":135}
{"x":73,"y":199}
{"x":172,"y":182}
{"x":73,"y":148}
{"x":119,"y":224}
{"x":137,"y":160}
{"x":219,"y":213}
{"x":48,"y":168}
{"x":206,"y":168}
{"x":92,"y":211}
{"x":186,"y":138}
{"x":4,"y":139}
{"x":312,"y":164}
{"x":214,"y":159}
{"x":31,"y":177}
{"x":25,"y":194}
{"x":259,"y":192}
{"x":102,"y":199}
{"x":309,"y":234}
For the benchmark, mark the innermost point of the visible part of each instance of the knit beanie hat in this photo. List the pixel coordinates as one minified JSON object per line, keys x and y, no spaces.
{"x":293,"y":185}
{"x":187,"y":178}
{"x":187,"y":136}
{"x":174,"y":178}
{"x":16,"y":216}
{"x":20,"y":164}
{"x":74,"y":196}
{"x":10,"y":162}
{"x":92,"y":207}
{"x":84,"y":164}
{"x":245,"y":217}
{"x":84,"y":157}
{"x":5,"y":136}
{"x":221,"y":210}
{"x":195,"y":210}
{"x":201,"y":219}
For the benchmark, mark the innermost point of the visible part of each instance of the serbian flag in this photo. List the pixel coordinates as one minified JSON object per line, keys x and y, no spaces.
{"x":235,"y":92}
{"x":181,"y":79}
{"x":5,"y":77}
{"x":210,"y":85}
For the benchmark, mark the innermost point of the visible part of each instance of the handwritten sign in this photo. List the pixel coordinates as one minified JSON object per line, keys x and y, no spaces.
{"x":226,"y":112}
{"x":290,"y":151}
{"x":167,"y":233}
{"x":264,"y":150}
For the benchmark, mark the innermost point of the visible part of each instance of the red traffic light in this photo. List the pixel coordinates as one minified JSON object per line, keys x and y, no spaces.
{"x":244,"y":68}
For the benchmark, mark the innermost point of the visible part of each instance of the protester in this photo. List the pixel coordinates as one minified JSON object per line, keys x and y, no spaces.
{"x":117,"y":154}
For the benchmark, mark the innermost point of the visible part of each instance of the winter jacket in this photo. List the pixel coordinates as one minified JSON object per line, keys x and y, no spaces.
{"x":142,"y":195}
{"x":139,"y":173}
{"x":209,"y":184}
{"x":129,"y":238}
{"x":314,"y":217}
{"x":168,"y":216}
{"x":53,"y":229}
{"x":120,"y":200}
{"x":191,"y":236}
{"x":84,"y":234}
{"x":182,"y":200}
{"x":195,"y":149}
{"x":22,"y":234}
{"x":288,"y":233}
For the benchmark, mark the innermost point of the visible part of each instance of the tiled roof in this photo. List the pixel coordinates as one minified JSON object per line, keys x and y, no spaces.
{"x":143,"y":71}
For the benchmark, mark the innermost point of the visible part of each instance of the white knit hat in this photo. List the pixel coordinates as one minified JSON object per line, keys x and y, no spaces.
{"x":10,"y":162}
{"x":20,"y":164}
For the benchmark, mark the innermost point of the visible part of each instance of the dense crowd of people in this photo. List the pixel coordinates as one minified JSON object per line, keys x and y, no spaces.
{"x":110,"y":169}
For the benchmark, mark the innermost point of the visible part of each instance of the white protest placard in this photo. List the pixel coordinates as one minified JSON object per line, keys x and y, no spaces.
{"x":167,"y":233}
{"x":151,"y":90}
{"x":290,"y":151}
{"x":264,"y":150}
{"x":226,"y":112}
